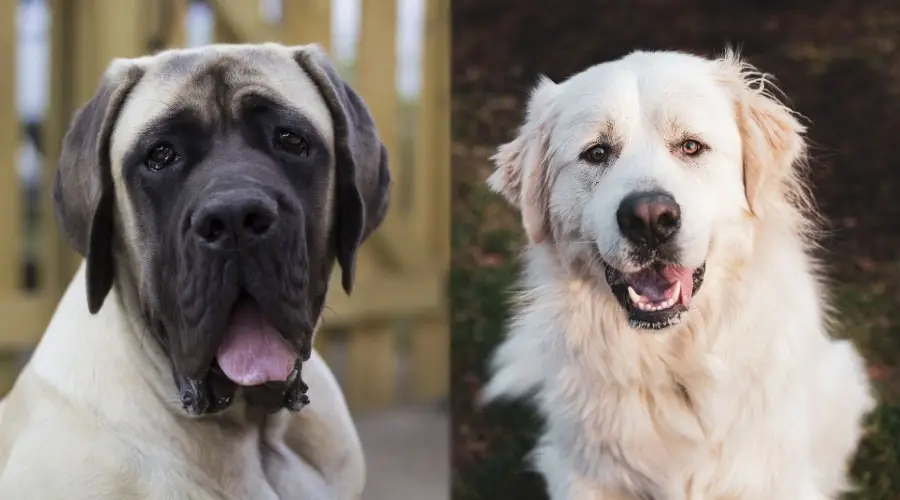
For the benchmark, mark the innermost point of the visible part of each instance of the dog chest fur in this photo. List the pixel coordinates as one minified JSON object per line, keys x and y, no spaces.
{"x":687,"y":414}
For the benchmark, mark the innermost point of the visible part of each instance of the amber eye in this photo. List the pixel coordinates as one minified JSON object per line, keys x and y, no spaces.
{"x":691,"y":147}
{"x":290,"y":142}
{"x":597,"y":154}
{"x":161,"y":156}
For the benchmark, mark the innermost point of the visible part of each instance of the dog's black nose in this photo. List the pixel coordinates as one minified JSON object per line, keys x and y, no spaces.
{"x":234,"y":219}
{"x":648,"y":218}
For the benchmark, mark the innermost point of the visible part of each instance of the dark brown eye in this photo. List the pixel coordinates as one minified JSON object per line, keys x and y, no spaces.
{"x":691,"y":147}
{"x":597,"y":154}
{"x":290,"y":142}
{"x":161,"y":156}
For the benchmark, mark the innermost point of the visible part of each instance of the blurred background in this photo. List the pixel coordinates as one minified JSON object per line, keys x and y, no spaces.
{"x":388,"y":345}
{"x":838,"y":61}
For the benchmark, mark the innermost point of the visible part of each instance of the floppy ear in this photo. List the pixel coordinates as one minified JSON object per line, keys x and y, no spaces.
{"x":82,"y":186}
{"x":773,"y":142}
{"x":363,"y":176}
{"x":522,"y":174}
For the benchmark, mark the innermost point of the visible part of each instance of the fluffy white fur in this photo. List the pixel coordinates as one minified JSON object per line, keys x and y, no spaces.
{"x":748,"y":397}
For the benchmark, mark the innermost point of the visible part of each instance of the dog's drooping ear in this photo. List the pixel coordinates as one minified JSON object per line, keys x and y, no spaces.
{"x":521,"y":174}
{"x":82,"y":187}
{"x":773,"y":140}
{"x":363,"y":176}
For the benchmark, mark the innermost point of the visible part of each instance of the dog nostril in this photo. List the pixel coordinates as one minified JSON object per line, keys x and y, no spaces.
{"x":234,"y":219}
{"x":257,"y":223}
{"x":636,"y":223}
{"x":211,"y":229}
{"x":666,"y":220}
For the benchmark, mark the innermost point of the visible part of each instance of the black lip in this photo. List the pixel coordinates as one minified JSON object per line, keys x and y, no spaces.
{"x":648,"y":320}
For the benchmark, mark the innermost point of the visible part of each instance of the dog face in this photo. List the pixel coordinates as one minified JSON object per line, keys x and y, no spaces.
{"x":635,"y":168}
{"x":216,"y":187}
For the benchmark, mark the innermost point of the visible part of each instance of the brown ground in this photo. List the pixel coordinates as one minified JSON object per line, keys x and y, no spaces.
{"x":838,"y":61}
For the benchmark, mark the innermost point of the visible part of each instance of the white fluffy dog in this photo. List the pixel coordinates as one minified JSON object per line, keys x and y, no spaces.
{"x":673,"y":328}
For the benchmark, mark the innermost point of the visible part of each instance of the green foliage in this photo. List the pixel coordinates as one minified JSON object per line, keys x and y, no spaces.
{"x":871,"y":319}
{"x":877,"y":465}
{"x":489,"y":444}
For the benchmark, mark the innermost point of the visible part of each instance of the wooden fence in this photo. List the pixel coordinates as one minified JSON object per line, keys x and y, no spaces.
{"x":389,"y":343}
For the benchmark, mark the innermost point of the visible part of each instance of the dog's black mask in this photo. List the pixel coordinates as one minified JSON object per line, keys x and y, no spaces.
{"x":241,"y":206}
{"x":240,"y":228}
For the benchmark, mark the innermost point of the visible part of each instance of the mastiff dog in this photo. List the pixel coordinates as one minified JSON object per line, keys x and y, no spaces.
{"x":210,"y":191}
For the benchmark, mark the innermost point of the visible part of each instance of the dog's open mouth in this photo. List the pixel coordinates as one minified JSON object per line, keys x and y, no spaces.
{"x":658,"y":295}
{"x":252,"y":351}
{"x":254,"y":355}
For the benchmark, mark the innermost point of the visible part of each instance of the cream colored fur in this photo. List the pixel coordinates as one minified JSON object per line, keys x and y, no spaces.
{"x":749,"y":397}
{"x":94,"y":416}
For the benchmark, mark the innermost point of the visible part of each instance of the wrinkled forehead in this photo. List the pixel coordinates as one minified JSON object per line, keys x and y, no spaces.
{"x":213,"y":84}
{"x":648,"y":91}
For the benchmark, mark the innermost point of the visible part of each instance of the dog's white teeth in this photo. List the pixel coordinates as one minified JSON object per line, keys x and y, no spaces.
{"x":676,"y":293}
{"x":635,"y":297}
{"x":644,"y":304}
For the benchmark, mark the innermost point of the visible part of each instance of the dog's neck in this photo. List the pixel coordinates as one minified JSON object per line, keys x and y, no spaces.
{"x":115,"y":354}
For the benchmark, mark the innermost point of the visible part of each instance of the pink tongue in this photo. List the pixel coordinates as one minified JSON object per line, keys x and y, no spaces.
{"x":252,"y":352}
{"x":685,"y":276}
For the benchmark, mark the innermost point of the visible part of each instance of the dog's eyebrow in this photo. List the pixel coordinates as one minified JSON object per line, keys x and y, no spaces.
{"x":677,"y":131}
{"x":176,"y":121}
{"x":609,"y":129}
{"x":604,"y":132}
{"x":260,"y":103}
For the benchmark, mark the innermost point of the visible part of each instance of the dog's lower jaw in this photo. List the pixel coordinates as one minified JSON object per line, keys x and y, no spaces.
{"x":214,"y":393}
{"x":657,"y":326}
{"x":649,"y":320}
{"x":295,"y":397}
{"x":206,"y":395}
{"x":195,"y":397}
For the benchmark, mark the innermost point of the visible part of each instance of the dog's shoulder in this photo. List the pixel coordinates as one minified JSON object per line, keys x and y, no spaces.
{"x":532,"y":350}
{"x":49,"y":435}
